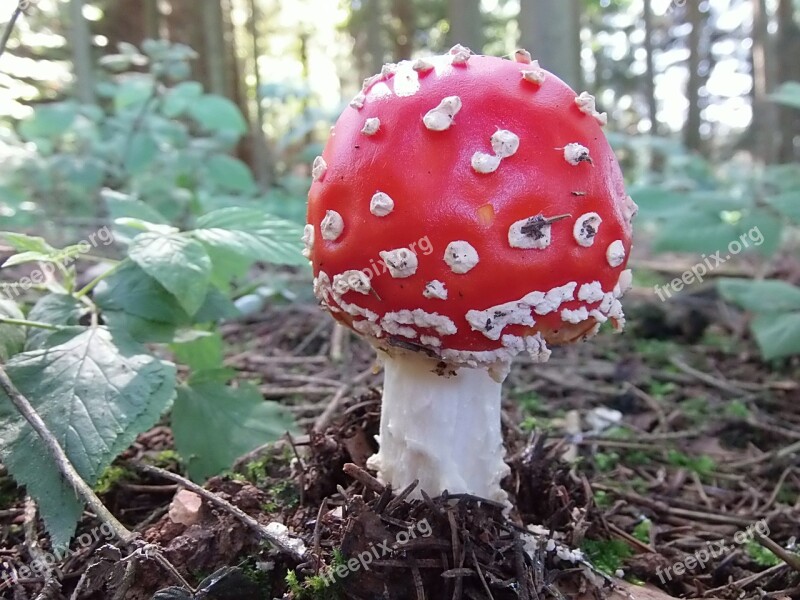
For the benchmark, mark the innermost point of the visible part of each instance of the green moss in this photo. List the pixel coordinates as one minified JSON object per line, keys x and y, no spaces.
{"x":642,"y":531}
{"x":763,"y":557}
{"x":703,"y":465}
{"x":607,"y":555}
{"x":110,"y":477}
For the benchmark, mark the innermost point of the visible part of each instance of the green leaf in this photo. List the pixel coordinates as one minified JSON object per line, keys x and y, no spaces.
{"x":178,"y":99}
{"x":768,"y":296}
{"x":27,"y":243}
{"x":230,"y":174}
{"x":250,"y":233}
{"x":215,"y":113}
{"x":133,"y":92}
{"x":788,"y":204}
{"x":12,"y":337}
{"x":49,"y":122}
{"x":199,"y":350}
{"x":177,"y":262}
{"x":777,"y":334}
{"x":788,"y":94}
{"x":95,"y":393}
{"x":54,"y":309}
{"x":134,"y":292}
{"x":142,"y":330}
{"x":139,"y":152}
{"x":215,"y":424}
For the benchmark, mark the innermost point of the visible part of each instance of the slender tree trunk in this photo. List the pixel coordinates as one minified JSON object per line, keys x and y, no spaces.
{"x":81,"y":43}
{"x":550,"y":31}
{"x":261,"y":152}
{"x":130,"y":21}
{"x":764,"y":123}
{"x":404,"y":17}
{"x":214,"y":55}
{"x":466,"y":23}
{"x":692,"y":137}
{"x":650,"y":77}
{"x":788,"y":53}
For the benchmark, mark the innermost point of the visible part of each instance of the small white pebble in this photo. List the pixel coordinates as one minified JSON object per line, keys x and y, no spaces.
{"x":619,"y":573}
{"x":624,"y":283}
{"x":575,"y":154}
{"x":485,"y":163}
{"x":401,"y":262}
{"x":586,"y":228}
{"x":381,"y":204}
{"x":436,"y":290}
{"x":522,"y":56}
{"x":308,"y":239}
{"x":601,"y":118}
{"x":371,"y":126}
{"x":504,"y":143}
{"x":318,"y":169}
{"x":441,"y":117}
{"x":615,"y":254}
{"x":535,"y":74}
{"x":461,"y":257}
{"x":332,"y":225}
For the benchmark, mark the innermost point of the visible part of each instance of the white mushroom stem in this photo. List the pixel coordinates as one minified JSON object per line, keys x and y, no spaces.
{"x":441,"y":426}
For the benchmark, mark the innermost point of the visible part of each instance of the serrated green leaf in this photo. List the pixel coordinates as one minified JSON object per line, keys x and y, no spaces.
{"x":230,"y":174}
{"x":95,"y":393}
{"x":178,"y":99}
{"x":200,"y":351}
{"x":54,"y":309}
{"x":777,"y":334}
{"x":27,"y":243}
{"x":12,"y":337}
{"x":218,"y":114}
{"x":250,"y":233}
{"x":215,"y":424}
{"x":142,"y":330}
{"x":768,"y":296}
{"x":177,"y":262}
{"x":143,"y":225}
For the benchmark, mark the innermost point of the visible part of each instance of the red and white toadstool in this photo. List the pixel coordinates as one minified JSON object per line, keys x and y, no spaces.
{"x":465,"y":209}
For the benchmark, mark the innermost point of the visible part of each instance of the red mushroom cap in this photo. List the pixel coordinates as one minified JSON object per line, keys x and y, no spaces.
{"x":471,"y":206}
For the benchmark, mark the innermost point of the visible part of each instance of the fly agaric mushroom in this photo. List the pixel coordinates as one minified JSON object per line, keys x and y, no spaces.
{"x":465,"y":209}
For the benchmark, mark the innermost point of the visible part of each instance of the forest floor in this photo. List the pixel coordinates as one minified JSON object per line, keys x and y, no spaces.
{"x":669,"y":456}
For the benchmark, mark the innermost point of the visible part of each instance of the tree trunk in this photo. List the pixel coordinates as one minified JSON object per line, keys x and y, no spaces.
{"x":550,"y":31}
{"x":788,"y":51}
{"x":404,"y":18}
{"x":214,"y":54}
{"x":81,"y":44}
{"x":692,"y":137}
{"x":466,"y":24}
{"x":764,"y":123}
{"x":131,"y":21}
{"x":373,"y":30}
{"x":263,"y":166}
{"x":650,"y":77}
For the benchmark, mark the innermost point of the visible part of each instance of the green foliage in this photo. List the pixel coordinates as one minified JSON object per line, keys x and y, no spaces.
{"x":763,"y":557}
{"x":702,"y":465}
{"x":607,"y":555}
{"x":642,"y":531}
{"x":788,"y":94}
{"x":776,"y":305}
{"x":153,"y":156}
{"x":214,"y":424}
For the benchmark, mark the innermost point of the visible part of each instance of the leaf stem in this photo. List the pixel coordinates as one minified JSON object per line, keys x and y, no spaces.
{"x":57,"y":454}
{"x":10,"y":27}
{"x":26,"y":323}
{"x":91,"y":285}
